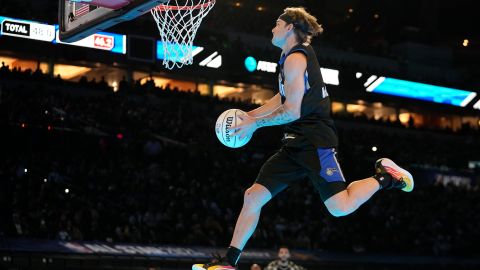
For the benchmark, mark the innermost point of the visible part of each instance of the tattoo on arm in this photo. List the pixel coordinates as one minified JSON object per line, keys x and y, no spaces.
{"x":278,"y":117}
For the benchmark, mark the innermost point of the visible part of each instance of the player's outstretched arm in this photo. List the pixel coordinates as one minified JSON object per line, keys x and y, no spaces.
{"x":267,"y":108}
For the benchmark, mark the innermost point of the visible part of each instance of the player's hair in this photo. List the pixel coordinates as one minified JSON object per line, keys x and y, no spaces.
{"x":305,"y":24}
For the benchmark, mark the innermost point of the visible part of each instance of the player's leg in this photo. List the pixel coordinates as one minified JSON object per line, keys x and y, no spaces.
{"x":254,"y":199}
{"x":388,"y":175}
{"x":348,"y":200}
{"x":275,"y":175}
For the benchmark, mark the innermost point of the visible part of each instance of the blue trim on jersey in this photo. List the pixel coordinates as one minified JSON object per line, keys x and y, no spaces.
{"x":305,"y":78}
{"x":282,"y":60}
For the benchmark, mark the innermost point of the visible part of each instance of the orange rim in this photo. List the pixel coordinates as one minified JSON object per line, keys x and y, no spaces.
{"x":199,"y":6}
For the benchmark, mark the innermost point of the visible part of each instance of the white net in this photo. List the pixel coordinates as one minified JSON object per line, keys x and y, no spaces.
{"x":178,"y":22}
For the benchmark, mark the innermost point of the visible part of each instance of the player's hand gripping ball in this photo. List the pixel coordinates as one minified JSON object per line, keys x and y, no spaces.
{"x":224,"y":128}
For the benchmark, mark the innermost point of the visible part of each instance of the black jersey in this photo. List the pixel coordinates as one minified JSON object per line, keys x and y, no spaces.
{"x":315,"y":122}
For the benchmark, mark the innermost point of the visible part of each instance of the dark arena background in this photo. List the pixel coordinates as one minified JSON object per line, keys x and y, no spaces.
{"x":108,"y":160}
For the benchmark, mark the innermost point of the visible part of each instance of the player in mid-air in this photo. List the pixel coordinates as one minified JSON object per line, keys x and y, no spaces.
{"x":308,"y":151}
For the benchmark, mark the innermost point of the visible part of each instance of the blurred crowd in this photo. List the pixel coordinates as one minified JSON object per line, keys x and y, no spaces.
{"x":79,"y":162}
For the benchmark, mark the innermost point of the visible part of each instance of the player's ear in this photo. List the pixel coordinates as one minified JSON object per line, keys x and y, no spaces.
{"x":290,"y":26}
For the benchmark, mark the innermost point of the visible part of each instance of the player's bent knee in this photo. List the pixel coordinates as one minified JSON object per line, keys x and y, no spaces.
{"x":256,"y":196}
{"x":337,"y":205}
{"x":337,"y":212}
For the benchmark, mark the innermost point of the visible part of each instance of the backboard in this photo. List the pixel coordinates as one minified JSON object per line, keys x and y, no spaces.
{"x":81,"y":18}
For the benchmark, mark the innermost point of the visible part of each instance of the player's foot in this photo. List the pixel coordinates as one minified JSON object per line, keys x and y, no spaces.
{"x":219,"y":263}
{"x":401,"y":178}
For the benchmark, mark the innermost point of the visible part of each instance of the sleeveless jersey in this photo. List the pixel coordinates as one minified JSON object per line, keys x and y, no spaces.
{"x":315,"y":122}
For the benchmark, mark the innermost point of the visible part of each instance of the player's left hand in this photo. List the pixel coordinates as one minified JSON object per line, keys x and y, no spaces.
{"x":246,"y":128}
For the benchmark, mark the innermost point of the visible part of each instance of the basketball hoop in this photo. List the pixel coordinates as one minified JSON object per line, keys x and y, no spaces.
{"x":178,"y":22}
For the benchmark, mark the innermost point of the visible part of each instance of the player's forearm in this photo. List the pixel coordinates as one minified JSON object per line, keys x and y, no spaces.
{"x":280,"y":116}
{"x":267,"y":108}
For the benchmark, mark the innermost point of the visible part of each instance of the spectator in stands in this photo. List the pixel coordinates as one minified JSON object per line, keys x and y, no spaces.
{"x":255,"y":267}
{"x":283,"y":262}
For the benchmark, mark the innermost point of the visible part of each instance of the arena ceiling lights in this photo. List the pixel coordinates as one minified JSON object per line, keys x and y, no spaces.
{"x":420,"y":91}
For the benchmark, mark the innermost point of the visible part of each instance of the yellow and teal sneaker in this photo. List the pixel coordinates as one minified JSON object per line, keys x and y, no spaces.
{"x":218,"y":263}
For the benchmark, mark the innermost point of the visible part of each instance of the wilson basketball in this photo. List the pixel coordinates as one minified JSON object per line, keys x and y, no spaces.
{"x":223,"y":128}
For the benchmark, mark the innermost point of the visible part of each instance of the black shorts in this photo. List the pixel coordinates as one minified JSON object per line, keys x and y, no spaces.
{"x":297,"y":161}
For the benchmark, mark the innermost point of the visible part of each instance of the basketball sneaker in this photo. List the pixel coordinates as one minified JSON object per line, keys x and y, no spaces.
{"x":401,"y":178}
{"x":218,"y":263}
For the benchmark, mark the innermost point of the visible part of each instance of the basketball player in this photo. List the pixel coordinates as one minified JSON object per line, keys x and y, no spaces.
{"x":308,"y":151}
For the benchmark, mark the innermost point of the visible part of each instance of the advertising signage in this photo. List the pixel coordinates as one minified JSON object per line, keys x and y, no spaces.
{"x":420,"y":91}
{"x":27,"y":29}
{"x":112,"y":42}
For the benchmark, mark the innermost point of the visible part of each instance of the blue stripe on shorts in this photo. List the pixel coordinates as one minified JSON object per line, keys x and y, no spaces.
{"x":329,"y":167}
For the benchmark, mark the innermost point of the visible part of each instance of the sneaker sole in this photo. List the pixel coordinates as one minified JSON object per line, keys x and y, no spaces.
{"x":407,"y":177}
{"x":197,"y":267}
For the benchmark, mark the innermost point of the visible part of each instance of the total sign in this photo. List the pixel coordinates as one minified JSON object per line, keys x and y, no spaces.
{"x":27,"y":29}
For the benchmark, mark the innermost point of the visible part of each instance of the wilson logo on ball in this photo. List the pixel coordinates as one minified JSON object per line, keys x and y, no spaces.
{"x":227,"y":128}
{"x":225,"y":122}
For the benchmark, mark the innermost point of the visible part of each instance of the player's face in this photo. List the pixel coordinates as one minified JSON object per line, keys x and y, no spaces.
{"x":280,"y":32}
{"x":284,"y":254}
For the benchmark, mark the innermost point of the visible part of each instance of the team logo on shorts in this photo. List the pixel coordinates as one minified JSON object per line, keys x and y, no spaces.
{"x":330,"y":171}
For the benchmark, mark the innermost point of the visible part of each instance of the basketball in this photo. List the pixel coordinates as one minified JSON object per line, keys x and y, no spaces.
{"x":225,"y":121}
